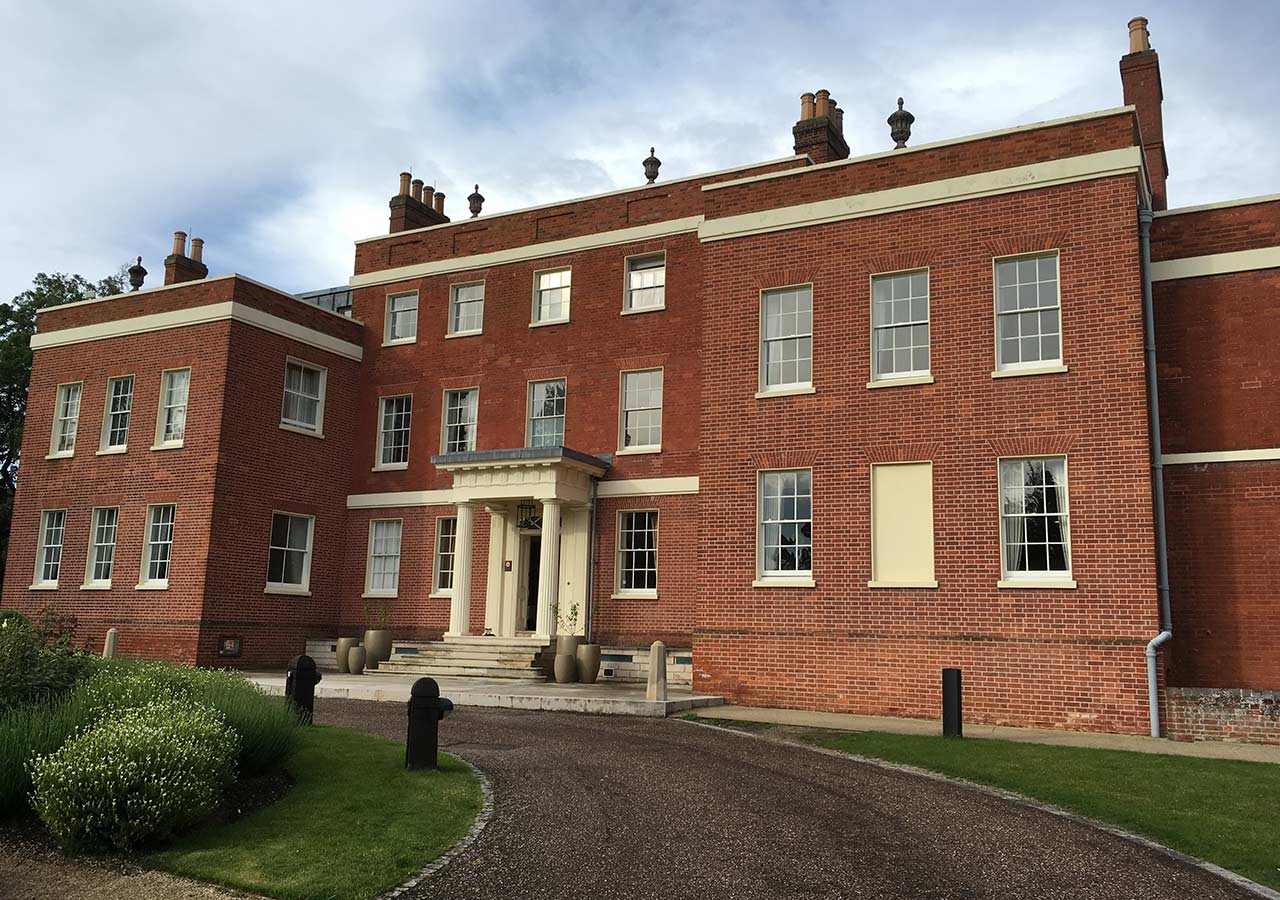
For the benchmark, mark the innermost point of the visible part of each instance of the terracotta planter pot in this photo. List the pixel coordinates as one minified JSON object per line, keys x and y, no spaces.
{"x":588,"y":663}
{"x":343,"y":648}
{"x":355,"y":660}
{"x":377,"y":645}
{"x":566,"y":668}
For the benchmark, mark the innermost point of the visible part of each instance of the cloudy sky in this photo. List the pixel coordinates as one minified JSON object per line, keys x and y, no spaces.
{"x":276,"y":130}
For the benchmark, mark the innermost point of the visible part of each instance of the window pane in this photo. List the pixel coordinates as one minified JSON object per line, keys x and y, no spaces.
{"x":1027,"y":310}
{"x":1034,"y":516}
{"x":786,"y":528}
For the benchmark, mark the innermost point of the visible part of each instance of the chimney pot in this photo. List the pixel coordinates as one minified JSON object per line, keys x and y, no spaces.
{"x":197,"y":249}
{"x":823,"y":103}
{"x":806,"y":106}
{"x":1139,"y":37}
{"x":179,"y":243}
{"x":837,"y":118}
{"x":404,"y":184}
{"x":417,"y":189}
{"x":439,"y":204}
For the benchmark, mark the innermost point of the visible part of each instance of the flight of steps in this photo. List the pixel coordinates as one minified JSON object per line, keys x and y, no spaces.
{"x":476,"y":657}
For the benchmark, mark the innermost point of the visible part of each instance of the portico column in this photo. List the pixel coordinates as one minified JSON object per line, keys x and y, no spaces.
{"x":548,"y":569}
{"x":460,"y":607}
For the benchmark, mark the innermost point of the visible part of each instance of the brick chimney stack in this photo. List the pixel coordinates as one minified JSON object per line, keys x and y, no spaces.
{"x":1140,"y":75}
{"x":820,"y":131}
{"x":412,"y":206}
{"x":179,"y":267}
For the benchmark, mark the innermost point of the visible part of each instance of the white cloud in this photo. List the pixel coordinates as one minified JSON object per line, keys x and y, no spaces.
{"x":276,"y":131}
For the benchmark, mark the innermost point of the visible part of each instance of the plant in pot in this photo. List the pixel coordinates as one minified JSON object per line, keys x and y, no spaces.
{"x":566,"y":664}
{"x":377,"y":637}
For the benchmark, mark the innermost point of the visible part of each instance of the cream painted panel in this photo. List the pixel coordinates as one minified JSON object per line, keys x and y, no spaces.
{"x":902,"y":522}
{"x":573,"y":567}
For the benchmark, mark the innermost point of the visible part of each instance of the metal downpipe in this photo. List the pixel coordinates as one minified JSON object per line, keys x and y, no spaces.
{"x":1157,"y":472}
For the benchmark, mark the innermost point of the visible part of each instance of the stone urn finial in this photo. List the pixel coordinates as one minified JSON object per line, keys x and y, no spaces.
{"x":651,"y":167}
{"x":900,"y":126}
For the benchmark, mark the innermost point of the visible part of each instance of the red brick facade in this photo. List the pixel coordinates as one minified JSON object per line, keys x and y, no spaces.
{"x":1069,"y":654}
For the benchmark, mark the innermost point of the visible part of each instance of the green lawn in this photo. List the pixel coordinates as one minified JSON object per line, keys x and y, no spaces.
{"x":1224,"y":811}
{"x":354,"y":824}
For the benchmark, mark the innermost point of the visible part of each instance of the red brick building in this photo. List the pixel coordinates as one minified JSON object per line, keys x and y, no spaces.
{"x":824,"y":425}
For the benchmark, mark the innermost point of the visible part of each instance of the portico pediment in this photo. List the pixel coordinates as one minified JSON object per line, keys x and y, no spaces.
{"x":535,"y":473}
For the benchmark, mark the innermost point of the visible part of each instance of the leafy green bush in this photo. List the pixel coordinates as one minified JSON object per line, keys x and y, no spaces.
{"x":12,"y":615}
{"x":139,"y":776}
{"x":265,"y":726}
{"x":37,"y":663}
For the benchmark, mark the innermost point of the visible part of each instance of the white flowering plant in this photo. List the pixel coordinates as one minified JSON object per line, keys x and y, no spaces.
{"x":137,"y":777}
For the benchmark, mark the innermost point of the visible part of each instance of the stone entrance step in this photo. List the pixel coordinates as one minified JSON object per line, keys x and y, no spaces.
{"x":519,"y":658}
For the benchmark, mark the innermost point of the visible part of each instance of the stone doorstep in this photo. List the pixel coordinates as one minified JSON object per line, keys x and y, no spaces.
{"x":530,"y":695}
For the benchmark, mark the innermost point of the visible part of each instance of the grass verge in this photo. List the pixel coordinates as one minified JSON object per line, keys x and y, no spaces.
{"x":354,"y":824}
{"x":1223,"y":811}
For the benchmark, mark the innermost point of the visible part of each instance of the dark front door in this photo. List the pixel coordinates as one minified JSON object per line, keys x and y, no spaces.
{"x":533,"y":561}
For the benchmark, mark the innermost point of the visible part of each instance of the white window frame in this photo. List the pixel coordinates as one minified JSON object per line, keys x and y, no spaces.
{"x":104,"y":442}
{"x":454,"y":289}
{"x":535,"y":318}
{"x":38,"y":581}
{"x":782,"y":389}
{"x":436,"y":556}
{"x":144,"y":581}
{"x":378,"y":464}
{"x":388,"y":340}
{"x":628,"y":306}
{"x":163,"y":408}
{"x":285,"y":587}
{"x":1033,"y":366}
{"x":91,"y":579}
{"x":1038,"y":579}
{"x":444,"y":420}
{"x":369,"y":590}
{"x":623,"y":409}
{"x":798,"y":578}
{"x":912,"y":375}
{"x":296,"y":424}
{"x":619,"y":592}
{"x":530,"y":418}
{"x":61,"y":397}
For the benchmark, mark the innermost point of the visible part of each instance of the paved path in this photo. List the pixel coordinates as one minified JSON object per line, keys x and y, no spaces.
{"x":28,"y":873}
{"x":603,"y":807}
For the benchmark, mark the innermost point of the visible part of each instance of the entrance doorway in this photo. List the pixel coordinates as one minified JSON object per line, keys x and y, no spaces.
{"x":529,"y":598}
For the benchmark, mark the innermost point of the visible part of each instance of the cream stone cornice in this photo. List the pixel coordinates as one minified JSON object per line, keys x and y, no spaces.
{"x":632,"y":487}
{"x":197,"y":315}
{"x":1221,"y":456}
{"x":1225,"y":204}
{"x":1125,"y":160}
{"x":528,"y":252}
{"x":1216,"y":264}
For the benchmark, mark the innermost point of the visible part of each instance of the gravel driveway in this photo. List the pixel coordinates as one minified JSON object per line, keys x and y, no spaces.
{"x":612,"y":807}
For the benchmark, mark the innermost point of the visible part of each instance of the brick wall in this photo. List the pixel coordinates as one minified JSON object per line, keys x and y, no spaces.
{"x":264,"y":468}
{"x":1051,"y":657}
{"x":1222,"y":230}
{"x":1205,"y":714}
{"x":163,"y":623}
{"x":589,"y":352}
{"x":1222,"y":521}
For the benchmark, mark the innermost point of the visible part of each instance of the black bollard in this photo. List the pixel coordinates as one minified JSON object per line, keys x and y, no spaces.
{"x":952,"y":715}
{"x":300,"y":682}
{"x":426,"y":709}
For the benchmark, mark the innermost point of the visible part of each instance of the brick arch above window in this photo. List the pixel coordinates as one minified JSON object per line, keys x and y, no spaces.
{"x":766,"y":279}
{"x":784,"y":459}
{"x":1026,"y":242}
{"x":1044,"y":444}
{"x":915,"y":451}
{"x":650,"y":361}
{"x":901,"y":262}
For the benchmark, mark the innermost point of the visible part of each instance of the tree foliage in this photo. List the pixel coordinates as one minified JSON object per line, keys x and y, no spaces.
{"x":17,"y":324}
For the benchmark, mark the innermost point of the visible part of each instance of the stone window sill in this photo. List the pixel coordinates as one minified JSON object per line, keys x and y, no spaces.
{"x":783,"y":583}
{"x":1049,"y":584}
{"x":902,"y":584}
{"x":786,"y":391}
{"x":1037,"y":370}
{"x":901,"y":382}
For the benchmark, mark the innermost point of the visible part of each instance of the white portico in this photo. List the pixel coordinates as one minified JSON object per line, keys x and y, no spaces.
{"x":539,"y":505}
